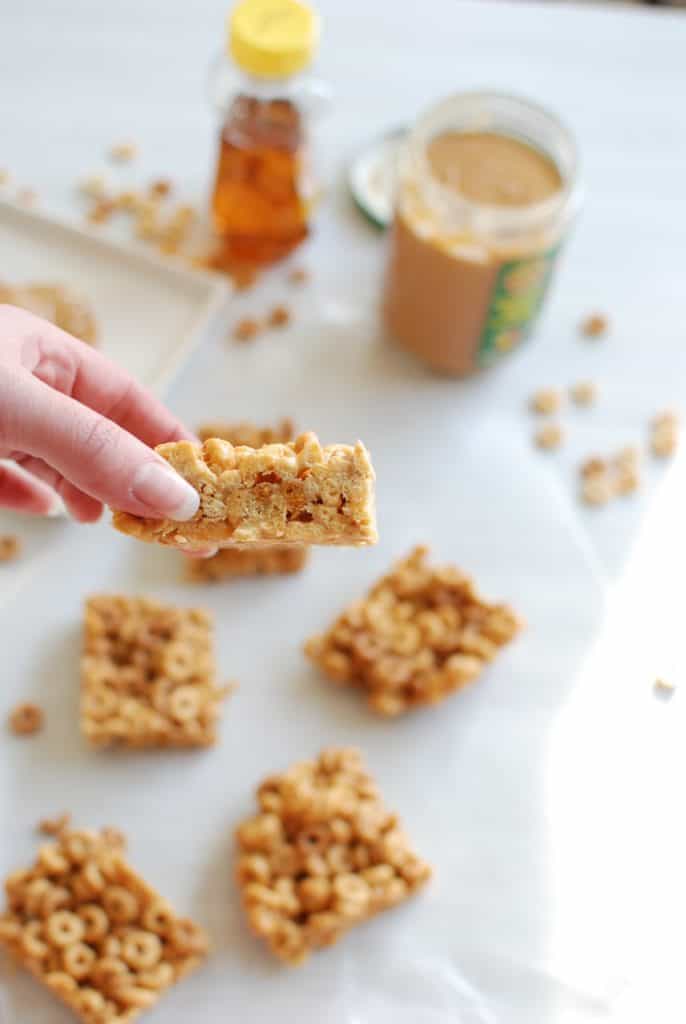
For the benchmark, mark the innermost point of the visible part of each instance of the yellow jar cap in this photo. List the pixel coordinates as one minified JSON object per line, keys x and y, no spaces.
{"x":272,"y":38}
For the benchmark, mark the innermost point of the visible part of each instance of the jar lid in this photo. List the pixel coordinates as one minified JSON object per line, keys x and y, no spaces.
{"x":272,"y":38}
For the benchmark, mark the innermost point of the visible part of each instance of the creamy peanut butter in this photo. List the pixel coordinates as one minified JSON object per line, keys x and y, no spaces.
{"x":479,"y":218}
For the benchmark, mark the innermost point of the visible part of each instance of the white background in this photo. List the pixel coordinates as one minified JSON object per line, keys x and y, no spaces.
{"x":549,"y":796}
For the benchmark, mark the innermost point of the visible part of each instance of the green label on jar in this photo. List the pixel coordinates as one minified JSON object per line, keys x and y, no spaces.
{"x":516,"y":300}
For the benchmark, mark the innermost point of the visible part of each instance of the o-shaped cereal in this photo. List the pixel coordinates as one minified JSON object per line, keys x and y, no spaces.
{"x":78,"y":960}
{"x":64,"y":928}
{"x":158,"y":917}
{"x":158,"y":977}
{"x":184,"y":703}
{"x":95,"y":921}
{"x":120,"y":904}
{"x":141,"y":950}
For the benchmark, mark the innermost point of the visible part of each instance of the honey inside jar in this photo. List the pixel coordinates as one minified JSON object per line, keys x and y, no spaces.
{"x":257,"y":206}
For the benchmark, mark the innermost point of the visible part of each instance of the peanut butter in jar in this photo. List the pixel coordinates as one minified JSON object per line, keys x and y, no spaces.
{"x":486,"y":190}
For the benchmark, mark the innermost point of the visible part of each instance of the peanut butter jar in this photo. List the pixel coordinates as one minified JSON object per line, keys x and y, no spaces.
{"x":487,"y":186}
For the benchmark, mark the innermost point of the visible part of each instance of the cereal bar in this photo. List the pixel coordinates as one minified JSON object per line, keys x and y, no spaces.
{"x":89,"y":928}
{"x":147,"y":675}
{"x":281,"y":493}
{"x":420,"y":634}
{"x":322,"y":855}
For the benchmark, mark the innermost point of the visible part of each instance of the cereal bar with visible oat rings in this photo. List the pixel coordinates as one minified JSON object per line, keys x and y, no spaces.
{"x":234,"y":562}
{"x":420,"y":634}
{"x":87,"y":926}
{"x":322,"y":855}
{"x":278,"y":494}
{"x":148,"y":676}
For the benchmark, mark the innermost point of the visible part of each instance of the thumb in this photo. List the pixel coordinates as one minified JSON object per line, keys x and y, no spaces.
{"x":91,"y":451}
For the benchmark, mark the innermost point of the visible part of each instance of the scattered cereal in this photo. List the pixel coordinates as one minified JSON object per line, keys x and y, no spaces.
{"x":298,"y":275}
{"x":584,"y":392}
{"x":664,"y":688}
{"x":549,"y":436}
{"x":664,"y":434}
{"x":26,"y":719}
{"x":595,"y":325}
{"x":420,"y":634}
{"x":596,"y":489}
{"x":546,"y":401}
{"x":246,"y":329}
{"x":279,"y":316}
{"x":123,"y":152}
{"x":147,"y":675}
{"x":160,"y":188}
{"x":101,"y":211}
{"x":595,"y":466}
{"x":94,"y":932}
{"x":55,"y":826}
{"x":322,"y":855}
{"x":10,"y":547}
{"x":94,"y":187}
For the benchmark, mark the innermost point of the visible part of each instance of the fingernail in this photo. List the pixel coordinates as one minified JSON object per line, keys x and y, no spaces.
{"x":164,"y":492}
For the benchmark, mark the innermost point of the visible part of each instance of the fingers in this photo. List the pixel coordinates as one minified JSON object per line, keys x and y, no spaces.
{"x":22,"y":492}
{"x":93,"y":453}
{"x":66,"y":364}
{"x":80,"y":506}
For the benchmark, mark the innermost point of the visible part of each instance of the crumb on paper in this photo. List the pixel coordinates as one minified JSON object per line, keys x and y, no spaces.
{"x":664,"y":434}
{"x":546,"y":401}
{"x":101,"y":211}
{"x":583,"y":393}
{"x":94,"y":932}
{"x":549,"y":436}
{"x":10,"y":547}
{"x":26,"y":719}
{"x":298,"y":276}
{"x":420,"y":634}
{"x":322,"y":854}
{"x":595,"y":325}
{"x":279,"y":316}
{"x":123,"y":152}
{"x":160,"y":188}
{"x":596,"y":489}
{"x":664,"y":688}
{"x":246,"y":329}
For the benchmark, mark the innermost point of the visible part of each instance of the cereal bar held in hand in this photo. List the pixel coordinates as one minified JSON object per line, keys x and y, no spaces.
{"x":89,"y":928}
{"x":281,"y":493}
{"x":322,"y":855}
{"x":420,"y":634}
{"x":148,"y":675}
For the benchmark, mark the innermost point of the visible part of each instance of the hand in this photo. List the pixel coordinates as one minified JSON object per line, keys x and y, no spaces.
{"x":76,"y":425}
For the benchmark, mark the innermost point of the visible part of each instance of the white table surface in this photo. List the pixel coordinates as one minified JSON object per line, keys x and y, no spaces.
{"x":548,"y":796}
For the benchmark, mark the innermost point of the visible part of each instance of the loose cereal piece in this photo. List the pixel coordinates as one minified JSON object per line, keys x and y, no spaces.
{"x":55,"y":826}
{"x":94,"y":932}
{"x":584,"y":392}
{"x":279,"y":316}
{"x":248,"y":434}
{"x":130,"y":201}
{"x":230,"y":563}
{"x":420,"y":634}
{"x":247,"y":329}
{"x":546,"y":401}
{"x":295,"y":493}
{"x":549,"y":436}
{"x":596,"y":489}
{"x":594,"y":466}
{"x":147,"y":675}
{"x":95,"y":186}
{"x":101,"y":211}
{"x":322,"y":855}
{"x":10,"y":547}
{"x":595,"y":325}
{"x":123,"y":152}
{"x":160,"y":188}
{"x":664,"y":436}
{"x":26,"y":719}
{"x":298,"y":275}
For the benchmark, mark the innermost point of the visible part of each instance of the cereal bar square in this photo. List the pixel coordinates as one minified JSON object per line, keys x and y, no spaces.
{"x":96,"y":934}
{"x":322,"y":855}
{"x":294,"y":493}
{"x":233,"y":562}
{"x":420,"y":634}
{"x":147,"y":675}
